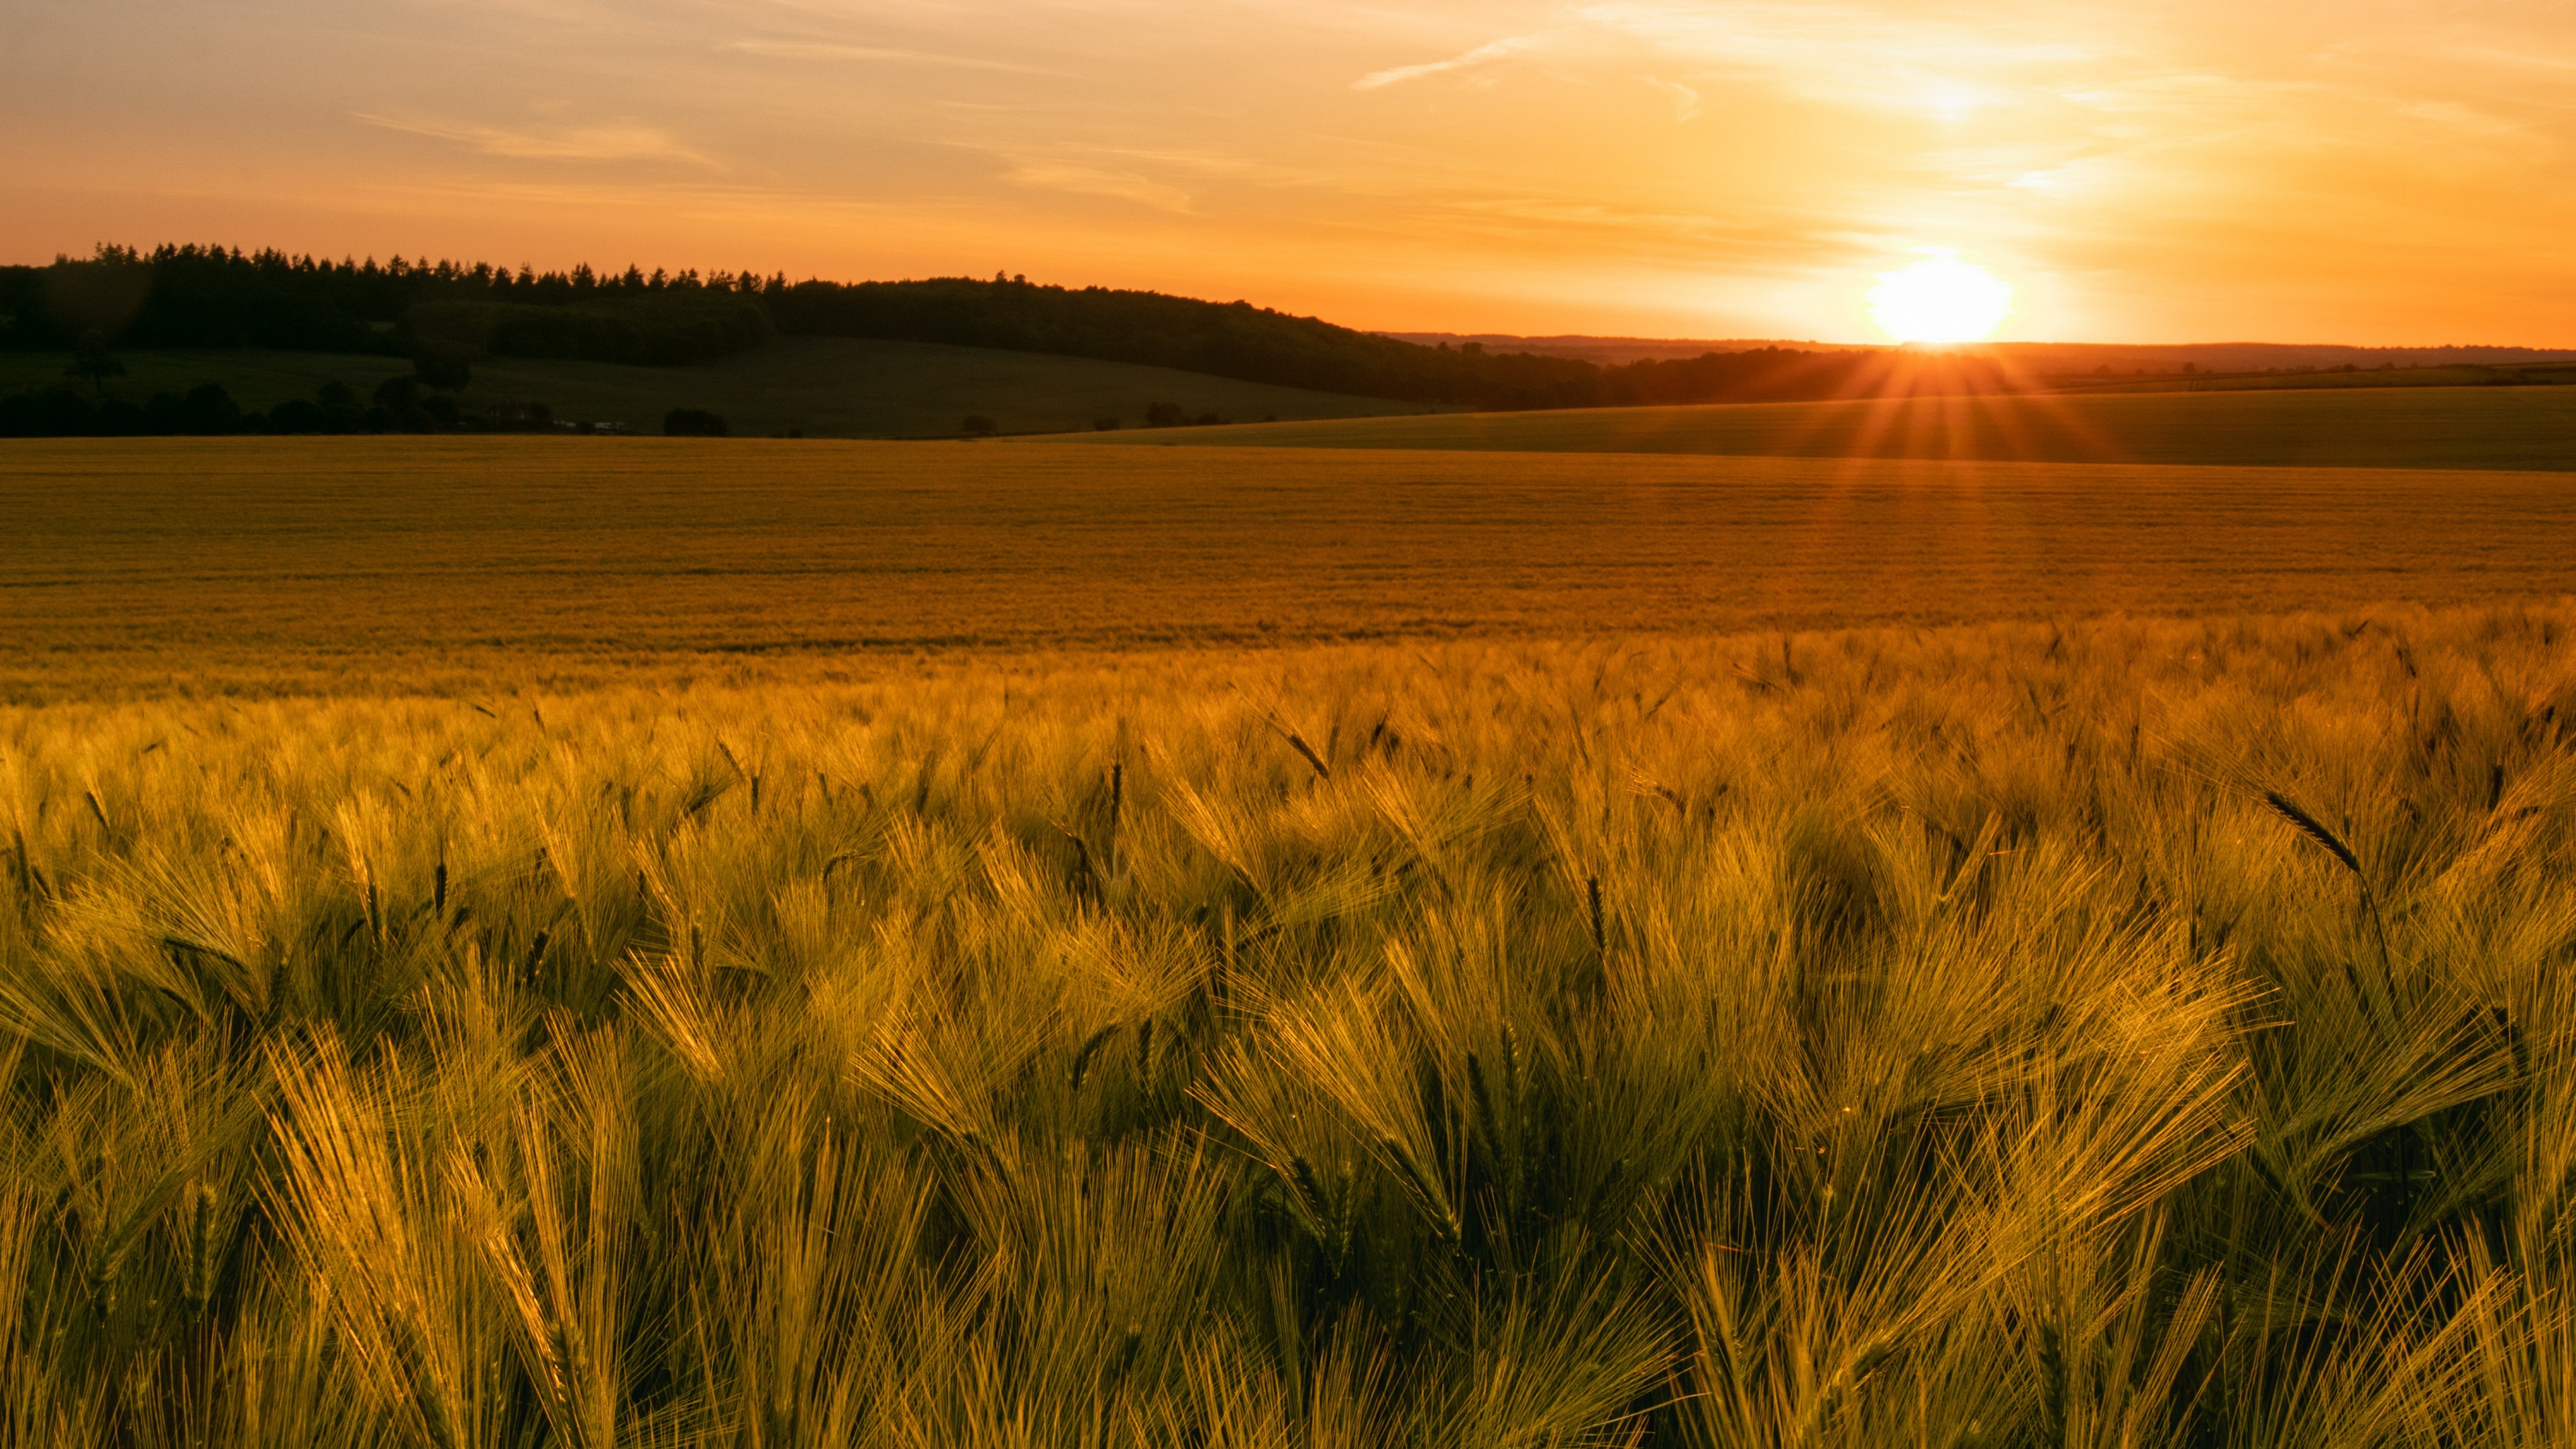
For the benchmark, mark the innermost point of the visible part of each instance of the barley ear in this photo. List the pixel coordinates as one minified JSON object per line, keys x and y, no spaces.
{"x":2315,"y":830}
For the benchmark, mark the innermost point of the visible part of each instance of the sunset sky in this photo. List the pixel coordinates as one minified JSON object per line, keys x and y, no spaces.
{"x":2363,"y":171}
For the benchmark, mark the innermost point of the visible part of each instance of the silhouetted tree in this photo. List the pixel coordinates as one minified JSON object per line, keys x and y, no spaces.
{"x":211,"y":411}
{"x":92,"y":360}
{"x":447,"y":366}
{"x":295,"y":415}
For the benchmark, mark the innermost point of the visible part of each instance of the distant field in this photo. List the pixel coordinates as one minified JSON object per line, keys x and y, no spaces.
{"x":2529,"y":374}
{"x":823,"y":386}
{"x":414,"y":562}
{"x":2517,"y":428}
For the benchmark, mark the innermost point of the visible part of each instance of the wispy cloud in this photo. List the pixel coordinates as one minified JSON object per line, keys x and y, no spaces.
{"x":1221,"y":167}
{"x":1824,"y":37}
{"x":1092,"y":181}
{"x":2458,"y":117}
{"x":1843,"y":54}
{"x":875,"y":55}
{"x":613,"y":141}
{"x":2080,"y":176}
{"x":1559,"y":211}
{"x":1686,"y":99}
{"x":1486,"y":54}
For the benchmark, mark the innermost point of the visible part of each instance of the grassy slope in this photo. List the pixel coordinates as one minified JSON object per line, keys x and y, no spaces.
{"x":419,"y":561}
{"x":2391,"y":428}
{"x":828,"y":387}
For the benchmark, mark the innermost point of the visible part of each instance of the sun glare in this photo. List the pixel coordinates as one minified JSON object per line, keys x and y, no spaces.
{"x":1940,"y":299}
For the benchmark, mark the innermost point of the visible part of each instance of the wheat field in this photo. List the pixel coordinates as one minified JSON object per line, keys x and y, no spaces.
{"x":2126,"y":1033}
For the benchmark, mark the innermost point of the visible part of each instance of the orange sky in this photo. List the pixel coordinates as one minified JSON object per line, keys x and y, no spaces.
{"x":2368,"y":171}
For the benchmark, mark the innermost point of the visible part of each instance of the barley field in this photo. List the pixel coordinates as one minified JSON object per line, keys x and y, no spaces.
{"x":256,"y":565}
{"x":2126,"y":1033}
{"x":2317,"y":427}
{"x":619,"y":942}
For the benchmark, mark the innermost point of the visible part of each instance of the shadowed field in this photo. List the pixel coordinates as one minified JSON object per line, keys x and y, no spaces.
{"x":2485,"y":427}
{"x":823,"y":386}
{"x":402,"y":561}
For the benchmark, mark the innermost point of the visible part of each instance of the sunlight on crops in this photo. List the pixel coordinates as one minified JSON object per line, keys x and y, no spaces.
{"x":2136,"y":1033}
{"x":404,"y":565}
{"x":2430,"y":427}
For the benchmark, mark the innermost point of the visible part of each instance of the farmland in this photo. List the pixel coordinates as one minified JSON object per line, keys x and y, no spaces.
{"x":821,"y":386}
{"x":580,"y":942}
{"x":2519,"y":374}
{"x":2430,"y":427}
{"x":382,"y":563}
{"x":1867,"y":1039}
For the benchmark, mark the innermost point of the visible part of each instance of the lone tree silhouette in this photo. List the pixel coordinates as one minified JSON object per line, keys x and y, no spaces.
{"x":91,"y":359}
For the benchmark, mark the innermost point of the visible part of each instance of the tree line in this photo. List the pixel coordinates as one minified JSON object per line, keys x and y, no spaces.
{"x":191,"y":296}
{"x":401,"y":404}
{"x":398,"y":405}
{"x":448,"y":312}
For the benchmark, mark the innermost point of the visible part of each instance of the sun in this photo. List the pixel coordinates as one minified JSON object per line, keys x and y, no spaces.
{"x":1940,"y":299}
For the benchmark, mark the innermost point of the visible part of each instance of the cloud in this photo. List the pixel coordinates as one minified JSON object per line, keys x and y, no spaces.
{"x":1686,"y":101}
{"x":1091,"y":181}
{"x":617,"y":141}
{"x":1805,"y":38}
{"x":874,"y":54}
{"x":2082,"y":175}
{"x":1594,"y":215}
{"x":1843,"y":54}
{"x":1509,"y":45}
{"x":2458,"y":117}
{"x":1220,"y":166}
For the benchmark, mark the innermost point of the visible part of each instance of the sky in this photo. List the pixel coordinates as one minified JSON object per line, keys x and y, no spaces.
{"x":2391,"y":172}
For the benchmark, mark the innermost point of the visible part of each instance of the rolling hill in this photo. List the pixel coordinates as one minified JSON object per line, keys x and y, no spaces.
{"x":820,"y":386}
{"x":2459,"y":427}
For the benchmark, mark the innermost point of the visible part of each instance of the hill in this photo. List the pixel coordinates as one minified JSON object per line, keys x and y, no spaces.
{"x":2456,"y":427}
{"x":862,"y":388}
{"x":820,"y":386}
{"x":448,"y":311}
{"x":447,"y":314}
